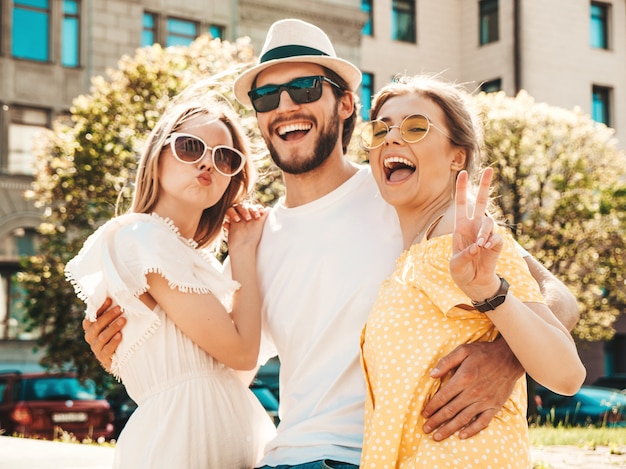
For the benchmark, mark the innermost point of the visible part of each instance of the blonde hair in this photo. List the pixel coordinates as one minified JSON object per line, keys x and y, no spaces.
{"x":185,"y":107}
{"x":463,"y":124}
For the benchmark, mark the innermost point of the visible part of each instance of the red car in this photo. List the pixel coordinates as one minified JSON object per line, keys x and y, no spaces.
{"x":45,"y":405}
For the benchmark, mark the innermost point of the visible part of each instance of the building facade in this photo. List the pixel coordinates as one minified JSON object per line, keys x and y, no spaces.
{"x":568,"y":53}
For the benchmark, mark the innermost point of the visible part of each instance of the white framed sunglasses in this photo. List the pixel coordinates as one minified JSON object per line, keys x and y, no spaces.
{"x":190,"y":149}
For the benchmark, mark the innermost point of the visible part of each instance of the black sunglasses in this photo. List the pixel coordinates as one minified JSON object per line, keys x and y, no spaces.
{"x":301,"y":90}
{"x":190,"y":149}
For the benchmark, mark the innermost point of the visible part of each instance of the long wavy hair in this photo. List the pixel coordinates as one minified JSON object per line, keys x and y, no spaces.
{"x":147,"y":184}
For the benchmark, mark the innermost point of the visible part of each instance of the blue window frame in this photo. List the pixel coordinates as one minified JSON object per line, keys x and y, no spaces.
{"x":488,"y":21}
{"x":70,"y":34}
{"x":599,"y":34}
{"x":148,"y":33}
{"x":600,"y":104}
{"x":180,"y":32}
{"x":31,"y":26}
{"x":368,"y":27}
{"x":403,"y":20}
{"x":367,"y":90}
{"x":216,"y":31}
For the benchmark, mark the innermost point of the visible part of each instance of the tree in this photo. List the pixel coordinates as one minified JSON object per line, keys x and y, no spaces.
{"x":86,"y":166}
{"x":562,"y":186}
{"x":560,"y":178}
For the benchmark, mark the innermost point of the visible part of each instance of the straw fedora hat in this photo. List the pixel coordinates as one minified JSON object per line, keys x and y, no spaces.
{"x":292,"y":40}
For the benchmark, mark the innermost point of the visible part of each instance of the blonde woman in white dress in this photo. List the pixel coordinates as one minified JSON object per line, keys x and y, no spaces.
{"x":189,"y":325}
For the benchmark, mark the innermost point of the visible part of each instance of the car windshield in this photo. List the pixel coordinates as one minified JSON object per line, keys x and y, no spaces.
{"x":266,"y":398}
{"x":57,"y":388}
{"x":605,"y":397}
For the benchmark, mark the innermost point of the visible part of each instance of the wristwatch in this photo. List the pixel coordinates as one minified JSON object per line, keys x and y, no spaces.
{"x":496,"y":300}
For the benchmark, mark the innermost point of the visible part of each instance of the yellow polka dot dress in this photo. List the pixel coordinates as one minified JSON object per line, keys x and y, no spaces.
{"x":414,"y":322}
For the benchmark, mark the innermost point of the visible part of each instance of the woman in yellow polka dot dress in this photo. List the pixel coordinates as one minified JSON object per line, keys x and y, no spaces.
{"x":450,"y":286}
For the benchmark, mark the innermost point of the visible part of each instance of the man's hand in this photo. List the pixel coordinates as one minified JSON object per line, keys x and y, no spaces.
{"x":104,"y":335}
{"x":484,"y":376}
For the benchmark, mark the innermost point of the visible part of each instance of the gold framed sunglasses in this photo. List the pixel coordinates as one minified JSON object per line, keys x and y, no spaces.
{"x":413,"y":128}
{"x":190,"y":149}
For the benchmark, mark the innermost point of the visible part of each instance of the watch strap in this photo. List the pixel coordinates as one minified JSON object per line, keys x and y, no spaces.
{"x":496,"y":300}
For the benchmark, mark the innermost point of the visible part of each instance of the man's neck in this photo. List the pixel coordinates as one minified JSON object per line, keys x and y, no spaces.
{"x":304,"y":188}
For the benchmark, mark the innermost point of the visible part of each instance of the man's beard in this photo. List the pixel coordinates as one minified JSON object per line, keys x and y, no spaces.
{"x":322,"y":149}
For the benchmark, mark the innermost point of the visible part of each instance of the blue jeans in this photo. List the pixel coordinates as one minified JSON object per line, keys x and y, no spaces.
{"x":321,"y":464}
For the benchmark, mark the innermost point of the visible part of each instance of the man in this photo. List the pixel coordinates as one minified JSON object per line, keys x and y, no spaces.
{"x":326,"y":247}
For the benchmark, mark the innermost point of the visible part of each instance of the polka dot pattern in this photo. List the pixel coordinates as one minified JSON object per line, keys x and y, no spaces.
{"x":415,"y":321}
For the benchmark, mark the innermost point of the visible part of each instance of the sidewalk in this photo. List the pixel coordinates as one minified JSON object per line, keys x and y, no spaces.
{"x":562,"y":457}
{"x":23,"y":453}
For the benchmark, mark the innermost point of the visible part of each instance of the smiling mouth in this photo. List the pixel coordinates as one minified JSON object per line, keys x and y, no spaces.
{"x":397,"y":168}
{"x":293,"y":131}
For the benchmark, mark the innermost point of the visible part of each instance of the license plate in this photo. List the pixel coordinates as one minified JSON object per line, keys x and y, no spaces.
{"x":65,"y":417}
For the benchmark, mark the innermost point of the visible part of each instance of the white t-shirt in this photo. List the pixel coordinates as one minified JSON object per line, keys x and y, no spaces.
{"x":320,"y":266}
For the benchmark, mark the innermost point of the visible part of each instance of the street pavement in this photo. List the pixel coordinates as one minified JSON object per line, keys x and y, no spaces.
{"x":562,"y":457}
{"x":23,"y":453}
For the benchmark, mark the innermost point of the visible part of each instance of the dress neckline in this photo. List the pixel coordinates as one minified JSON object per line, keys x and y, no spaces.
{"x":174,"y":229}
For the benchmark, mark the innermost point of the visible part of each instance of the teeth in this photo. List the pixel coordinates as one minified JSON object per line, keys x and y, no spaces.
{"x":293,"y":128}
{"x":396,"y":159}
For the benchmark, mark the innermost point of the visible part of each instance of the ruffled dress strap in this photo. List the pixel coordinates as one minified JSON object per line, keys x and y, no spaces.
{"x":116,"y":258}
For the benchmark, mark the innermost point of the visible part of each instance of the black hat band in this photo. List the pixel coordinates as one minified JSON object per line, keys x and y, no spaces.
{"x":284,"y":52}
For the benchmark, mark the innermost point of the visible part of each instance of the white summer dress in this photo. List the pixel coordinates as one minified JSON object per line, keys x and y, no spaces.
{"x":194,"y":412}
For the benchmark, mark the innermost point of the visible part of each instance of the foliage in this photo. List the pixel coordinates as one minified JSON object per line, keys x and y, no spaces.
{"x":86,"y":164}
{"x":562,"y":187}
{"x":561,"y":180}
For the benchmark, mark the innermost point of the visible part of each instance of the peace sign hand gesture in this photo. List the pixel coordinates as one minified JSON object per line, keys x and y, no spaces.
{"x":475,"y":247}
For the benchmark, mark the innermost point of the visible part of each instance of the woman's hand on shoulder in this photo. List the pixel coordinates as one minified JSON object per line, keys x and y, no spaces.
{"x":244,"y":225}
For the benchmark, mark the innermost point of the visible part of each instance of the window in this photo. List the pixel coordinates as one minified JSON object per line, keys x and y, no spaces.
{"x":149,"y":32}
{"x":599,"y":26}
{"x":367,"y":90}
{"x":600,"y":104}
{"x":216,"y":31}
{"x":70,"y":34}
{"x":25,"y":125}
{"x":180,"y":32}
{"x":22,"y":242}
{"x":488,"y":26}
{"x":177,"y":32}
{"x":491,"y":86}
{"x":30,"y":38}
{"x":403,"y":21}
{"x":368,"y":27}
